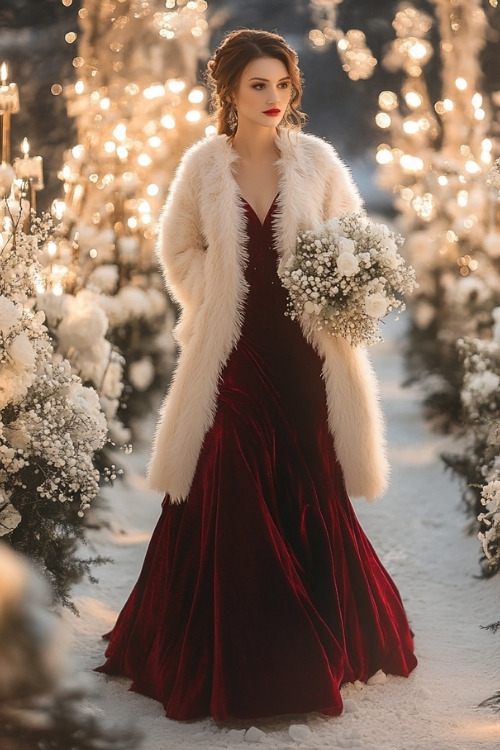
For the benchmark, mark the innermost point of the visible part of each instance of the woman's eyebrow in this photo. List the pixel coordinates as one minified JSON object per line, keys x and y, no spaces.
{"x":258,"y":78}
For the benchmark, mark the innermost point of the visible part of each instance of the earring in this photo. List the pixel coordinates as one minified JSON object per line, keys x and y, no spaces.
{"x":232,"y":119}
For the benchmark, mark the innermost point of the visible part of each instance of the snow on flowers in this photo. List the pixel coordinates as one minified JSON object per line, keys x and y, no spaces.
{"x":50,"y":424}
{"x":346,"y":276}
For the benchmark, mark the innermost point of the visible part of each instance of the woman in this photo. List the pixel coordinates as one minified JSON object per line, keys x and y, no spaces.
{"x":260,"y":594}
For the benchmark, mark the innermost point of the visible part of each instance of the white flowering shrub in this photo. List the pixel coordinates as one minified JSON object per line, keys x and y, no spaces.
{"x":346,"y":276}
{"x":117,"y":338}
{"x":478,"y":463}
{"x":51,"y":426}
{"x":489,"y":536}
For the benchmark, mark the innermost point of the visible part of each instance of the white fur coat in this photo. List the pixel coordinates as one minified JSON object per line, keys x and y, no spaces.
{"x":202,"y":250}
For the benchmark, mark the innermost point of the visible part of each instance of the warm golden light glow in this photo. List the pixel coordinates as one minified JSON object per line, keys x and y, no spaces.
{"x":4,"y":73}
{"x":410,"y":127}
{"x":196,"y":96}
{"x":418,"y":50}
{"x":472,"y":167}
{"x":154,"y":92}
{"x":25,"y":147}
{"x":413,"y":99}
{"x":383,"y":120}
{"x":168,"y":122}
{"x":411,"y":163}
{"x":387,"y":100}
{"x":176,"y":85}
{"x":461,"y":84}
{"x":194,"y":115}
{"x":120,"y":131}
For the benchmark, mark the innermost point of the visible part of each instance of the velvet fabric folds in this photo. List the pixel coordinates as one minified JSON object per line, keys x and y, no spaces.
{"x":261,"y":595}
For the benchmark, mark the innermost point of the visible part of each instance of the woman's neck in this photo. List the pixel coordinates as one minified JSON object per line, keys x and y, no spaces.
{"x":255,"y":145}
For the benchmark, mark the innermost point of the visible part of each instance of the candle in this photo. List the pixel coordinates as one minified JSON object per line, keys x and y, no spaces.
{"x":9,"y":104}
{"x":29,"y":167}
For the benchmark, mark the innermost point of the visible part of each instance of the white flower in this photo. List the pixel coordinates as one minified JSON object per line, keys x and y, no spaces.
{"x":9,"y":314}
{"x":10,"y":518}
{"x":112,"y":384}
{"x":54,"y":306}
{"x":484,"y":383}
{"x":142,"y":373}
{"x":376,"y":305}
{"x":22,"y":352}
{"x":105,"y":278}
{"x":391,"y":259}
{"x":134,"y":301}
{"x":346,"y":245}
{"x":85,"y":323}
{"x":347,"y":264}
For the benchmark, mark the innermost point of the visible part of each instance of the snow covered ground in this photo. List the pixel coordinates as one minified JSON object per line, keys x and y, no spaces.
{"x":418,"y":531}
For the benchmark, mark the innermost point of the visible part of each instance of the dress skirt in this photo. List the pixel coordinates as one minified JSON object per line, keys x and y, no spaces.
{"x":261,"y":595}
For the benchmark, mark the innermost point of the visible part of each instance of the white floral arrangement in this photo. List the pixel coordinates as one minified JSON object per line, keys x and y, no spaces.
{"x":480,"y":398}
{"x":490,"y":518}
{"x":51,"y":426}
{"x":346,"y":276}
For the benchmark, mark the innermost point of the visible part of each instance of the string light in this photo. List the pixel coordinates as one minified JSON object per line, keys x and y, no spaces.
{"x":125,"y":126}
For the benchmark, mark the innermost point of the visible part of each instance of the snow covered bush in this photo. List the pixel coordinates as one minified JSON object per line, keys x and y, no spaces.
{"x":478,"y":463}
{"x":51,"y":425}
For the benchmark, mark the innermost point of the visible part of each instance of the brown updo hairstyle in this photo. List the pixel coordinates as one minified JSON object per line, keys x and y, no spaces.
{"x":230,"y":59}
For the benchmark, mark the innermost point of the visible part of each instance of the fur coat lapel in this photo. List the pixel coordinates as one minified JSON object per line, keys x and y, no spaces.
{"x":202,"y":249}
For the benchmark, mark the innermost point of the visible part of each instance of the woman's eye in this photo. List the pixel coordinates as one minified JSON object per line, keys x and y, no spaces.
{"x":284,"y":85}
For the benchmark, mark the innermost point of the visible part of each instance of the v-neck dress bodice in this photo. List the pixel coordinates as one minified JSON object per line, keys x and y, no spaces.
{"x":261,"y":594}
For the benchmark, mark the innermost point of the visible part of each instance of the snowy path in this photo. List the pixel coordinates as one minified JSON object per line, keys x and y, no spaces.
{"x":417,"y":530}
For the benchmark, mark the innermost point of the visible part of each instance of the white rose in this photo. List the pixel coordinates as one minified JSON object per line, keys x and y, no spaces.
{"x":376,"y":305}
{"x":347,"y":264}
{"x":346,"y":245}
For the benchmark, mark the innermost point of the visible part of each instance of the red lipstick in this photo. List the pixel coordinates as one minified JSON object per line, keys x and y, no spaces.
{"x":272,"y":112}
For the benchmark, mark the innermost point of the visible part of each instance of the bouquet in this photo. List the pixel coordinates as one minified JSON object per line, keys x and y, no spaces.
{"x":346,"y":276}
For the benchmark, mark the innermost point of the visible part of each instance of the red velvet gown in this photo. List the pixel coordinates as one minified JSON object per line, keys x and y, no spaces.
{"x":260,"y":595}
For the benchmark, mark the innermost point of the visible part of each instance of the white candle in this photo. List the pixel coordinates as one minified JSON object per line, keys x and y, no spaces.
{"x":9,"y":93}
{"x":29,"y":167}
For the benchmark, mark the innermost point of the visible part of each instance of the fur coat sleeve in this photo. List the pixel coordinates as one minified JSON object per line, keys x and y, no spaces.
{"x":202,"y":249}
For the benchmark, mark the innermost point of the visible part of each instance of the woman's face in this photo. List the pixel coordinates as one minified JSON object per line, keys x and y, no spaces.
{"x":263,"y":93}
